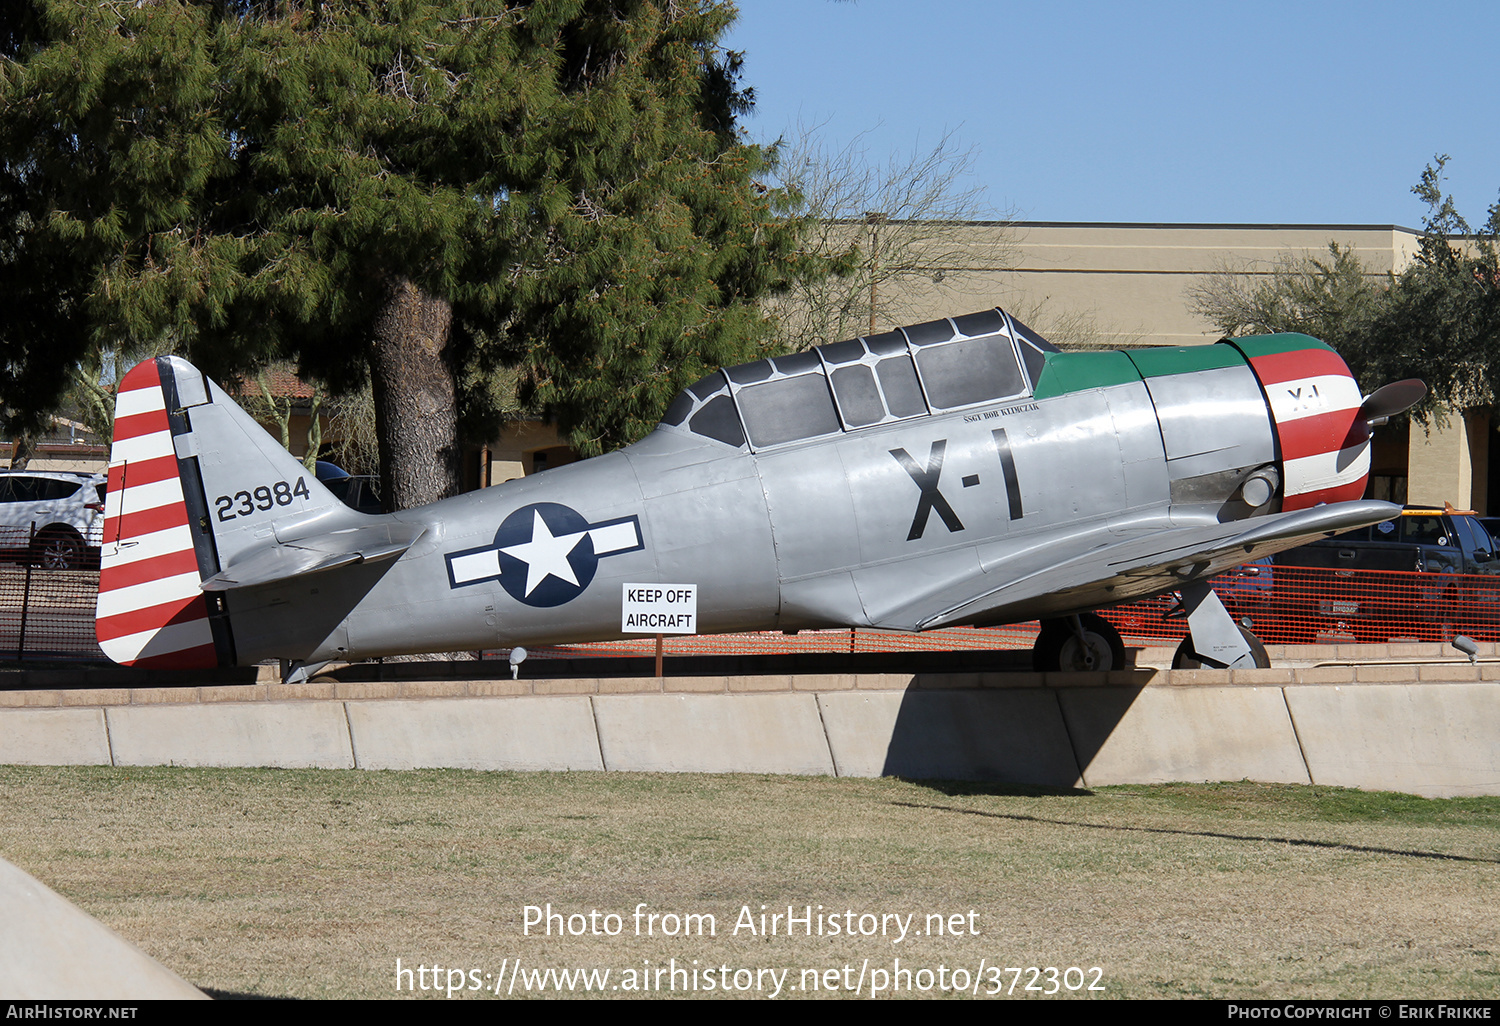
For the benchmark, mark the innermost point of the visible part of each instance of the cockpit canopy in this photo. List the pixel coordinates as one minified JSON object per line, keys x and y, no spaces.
{"x":916,"y":371}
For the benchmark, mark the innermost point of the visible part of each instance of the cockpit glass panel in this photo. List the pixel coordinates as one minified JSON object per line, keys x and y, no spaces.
{"x":1034,"y":349}
{"x":898,"y":380}
{"x":843,"y":352}
{"x":986,"y":322}
{"x":678,"y":411}
{"x":929,"y":333}
{"x":750,"y":373}
{"x":886,"y":343}
{"x":798,"y":363}
{"x":1035,"y":360}
{"x":1031,"y":338}
{"x":707,"y":386}
{"x":788,"y":409}
{"x":719,"y":420}
{"x":859,"y":401}
{"x":965,"y":373}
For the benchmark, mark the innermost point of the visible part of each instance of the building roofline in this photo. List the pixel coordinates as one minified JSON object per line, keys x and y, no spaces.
{"x":1163,"y":224}
{"x":1208,"y":224}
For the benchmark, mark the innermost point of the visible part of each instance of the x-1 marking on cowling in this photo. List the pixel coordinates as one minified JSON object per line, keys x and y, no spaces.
{"x":544,"y":554}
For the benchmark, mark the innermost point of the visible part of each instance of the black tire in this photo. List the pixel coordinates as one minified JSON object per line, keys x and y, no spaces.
{"x":58,"y":549}
{"x":1057,"y":646}
{"x":1186,"y":657}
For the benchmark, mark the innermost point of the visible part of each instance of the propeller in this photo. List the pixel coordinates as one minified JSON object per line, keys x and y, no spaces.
{"x":1388,"y":400}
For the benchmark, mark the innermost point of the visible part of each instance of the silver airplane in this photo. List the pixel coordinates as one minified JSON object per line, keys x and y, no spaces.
{"x":958,"y":472}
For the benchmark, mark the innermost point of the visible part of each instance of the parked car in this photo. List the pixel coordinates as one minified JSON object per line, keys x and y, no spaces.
{"x":1492,"y":525}
{"x":54,"y":519}
{"x":1424,"y":539}
{"x":359,"y":492}
{"x":1245,"y":589}
{"x":1448,"y":580}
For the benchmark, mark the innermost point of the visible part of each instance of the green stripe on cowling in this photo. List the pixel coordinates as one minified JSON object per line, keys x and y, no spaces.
{"x":1162,"y":360}
{"x":1285,"y":342}
{"x":1075,"y":372}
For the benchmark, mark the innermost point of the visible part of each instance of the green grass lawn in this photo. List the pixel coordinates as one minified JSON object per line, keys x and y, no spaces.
{"x":314,"y":883}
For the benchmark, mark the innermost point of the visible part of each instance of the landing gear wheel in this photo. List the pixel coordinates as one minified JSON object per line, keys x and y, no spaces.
{"x":1186,"y":657}
{"x":1057,"y":646}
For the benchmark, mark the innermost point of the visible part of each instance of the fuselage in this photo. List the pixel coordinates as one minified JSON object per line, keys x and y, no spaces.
{"x":832,"y":489}
{"x":960,"y":471}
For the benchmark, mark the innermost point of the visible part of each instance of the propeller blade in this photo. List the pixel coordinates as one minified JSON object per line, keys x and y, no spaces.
{"x":1388,"y":400}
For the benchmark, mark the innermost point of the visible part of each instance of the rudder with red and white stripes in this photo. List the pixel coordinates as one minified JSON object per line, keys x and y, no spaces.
{"x":151,"y":611}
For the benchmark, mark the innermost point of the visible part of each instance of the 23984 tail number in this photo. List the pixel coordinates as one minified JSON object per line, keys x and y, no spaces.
{"x":261,"y":498}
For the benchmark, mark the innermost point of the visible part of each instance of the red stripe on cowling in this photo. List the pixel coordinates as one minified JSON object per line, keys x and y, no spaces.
{"x":147,"y":521}
{"x":168,"y":564}
{"x":151,"y":618}
{"x":1339,"y":493}
{"x":1326,"y":432}
{"x":138,"y":424}
{"x":139,"y":472}
{"x":1300,"y":363}
{"x":203,"y":657}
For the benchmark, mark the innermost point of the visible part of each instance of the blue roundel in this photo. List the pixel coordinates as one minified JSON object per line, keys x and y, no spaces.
{"x":546,"y":554}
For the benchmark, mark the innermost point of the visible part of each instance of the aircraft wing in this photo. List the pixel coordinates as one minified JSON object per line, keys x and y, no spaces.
{"x":279,"y":560}
{"x":1149,"y":558}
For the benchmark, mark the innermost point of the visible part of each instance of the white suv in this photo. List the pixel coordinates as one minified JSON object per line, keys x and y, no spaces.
{"x":54,"y":519}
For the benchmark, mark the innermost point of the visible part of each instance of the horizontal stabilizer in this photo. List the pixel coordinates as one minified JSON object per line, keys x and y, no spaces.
{"x":283,"y":560}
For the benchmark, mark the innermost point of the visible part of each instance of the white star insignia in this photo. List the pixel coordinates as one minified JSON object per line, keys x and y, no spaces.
{"x":546,"y":555}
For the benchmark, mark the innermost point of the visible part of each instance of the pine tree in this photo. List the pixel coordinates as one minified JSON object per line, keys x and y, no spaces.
{"x":657,"y":240}
{"x":418,"y":192}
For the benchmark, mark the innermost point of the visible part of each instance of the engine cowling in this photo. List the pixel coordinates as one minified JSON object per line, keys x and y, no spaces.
{"x":1323,"y":444}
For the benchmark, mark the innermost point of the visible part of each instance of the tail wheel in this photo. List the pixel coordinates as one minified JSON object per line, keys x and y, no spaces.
{"x":1186,"y":657}
{"x":57,"y":550}
{"x":1058,"y":646}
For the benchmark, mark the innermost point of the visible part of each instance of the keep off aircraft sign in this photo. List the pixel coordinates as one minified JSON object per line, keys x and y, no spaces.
{"x":659,"y":609}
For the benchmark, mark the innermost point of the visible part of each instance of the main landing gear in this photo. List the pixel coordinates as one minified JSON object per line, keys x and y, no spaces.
{"x":1187,"y":657}
{"x":1073,"y":643}
{"x":1214,"y":639}
{"x":1089,"y":642}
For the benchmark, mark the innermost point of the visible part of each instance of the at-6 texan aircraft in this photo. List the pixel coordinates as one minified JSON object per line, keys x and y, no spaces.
{"x":958,"y":472}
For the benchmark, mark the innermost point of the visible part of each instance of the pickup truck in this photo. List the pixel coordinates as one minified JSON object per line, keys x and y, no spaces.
{"x":1424,"y":539}
{"x":1346,"y":584}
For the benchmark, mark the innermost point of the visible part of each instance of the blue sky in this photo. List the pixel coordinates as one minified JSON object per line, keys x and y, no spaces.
{"x":1265,"y":112}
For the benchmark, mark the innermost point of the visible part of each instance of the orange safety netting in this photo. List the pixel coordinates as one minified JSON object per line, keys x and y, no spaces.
{"x":1285,"y":606}
{"x":1289,"y":605}
{"x":50,"y":615}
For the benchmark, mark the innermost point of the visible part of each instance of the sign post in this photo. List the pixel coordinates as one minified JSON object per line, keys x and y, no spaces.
{"x":659,"y":609}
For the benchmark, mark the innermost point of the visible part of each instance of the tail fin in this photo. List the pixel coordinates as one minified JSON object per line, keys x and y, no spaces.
{"x":150,"y":610}
{"x":194,"y":482}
